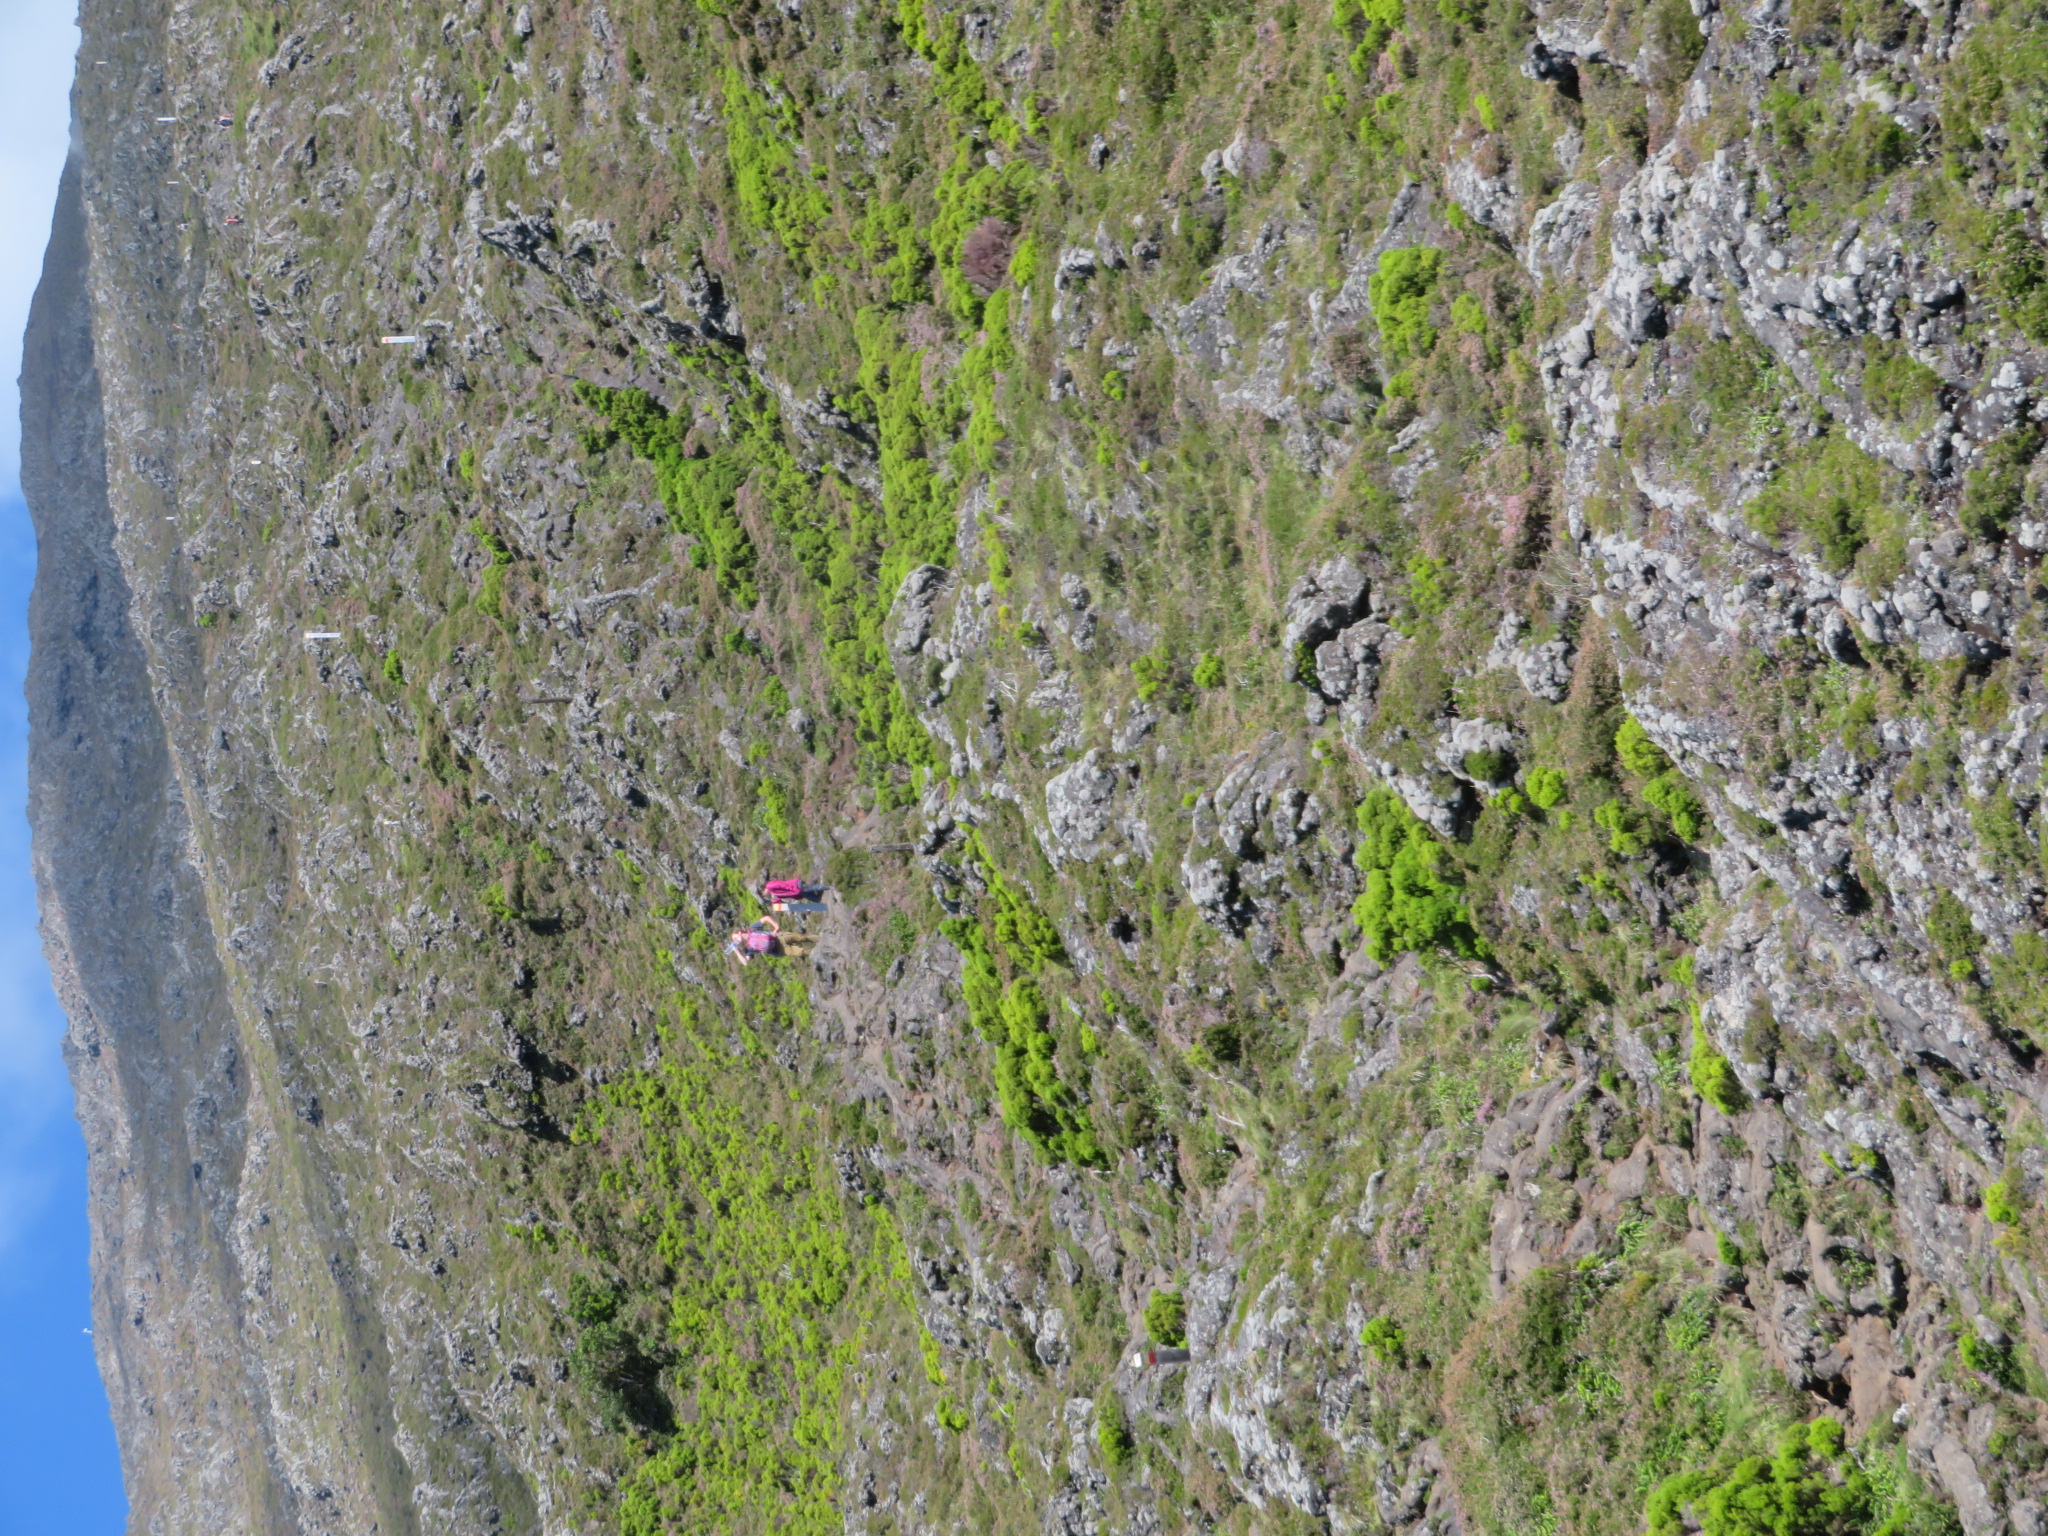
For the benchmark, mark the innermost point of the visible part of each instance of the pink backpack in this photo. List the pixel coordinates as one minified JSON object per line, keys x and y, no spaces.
{"x":783,"y":890}
{"x":758,"y":943}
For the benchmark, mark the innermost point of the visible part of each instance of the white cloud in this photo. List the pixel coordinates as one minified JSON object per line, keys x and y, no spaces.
{"x":38,"y":43}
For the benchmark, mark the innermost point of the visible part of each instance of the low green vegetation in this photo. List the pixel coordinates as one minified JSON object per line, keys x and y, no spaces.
{"x":1411,"y":900}
{"x":1713,"y":1077}
{"x":1809,"y":1487}
{"x":1166,"y":1318}
{"x":1403,"y":295}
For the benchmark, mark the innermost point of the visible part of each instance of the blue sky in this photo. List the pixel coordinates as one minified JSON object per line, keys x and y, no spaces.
{"x":58,"y":1472}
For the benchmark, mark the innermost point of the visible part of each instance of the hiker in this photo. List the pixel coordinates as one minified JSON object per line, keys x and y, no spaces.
{"x":764,"y":936}
{"x":793,"y":896}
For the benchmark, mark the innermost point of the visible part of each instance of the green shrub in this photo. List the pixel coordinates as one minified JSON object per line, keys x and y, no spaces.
{"x":608,"y":1363}
{"x":1996,"y":821}
{"x":2018,"y":269}
{"x":490,"y":595}
{"x":700,"y":494}
{"x":1401,"y":293}
{"x":1024,"y":262}
{"x":394,"y":667}
{"x":1897,"y":386}
{"x":1859,"y":726}
{"x":1411,"y":901}
{"x":1490,"y":767}
{"x":1209,"y":671}
{"x":592,"y":1301}
{"x":1834,"y":493}
{"x":1691,"y":1322}
{"x":1222,"y":1043}
{"x":1995,"y":1360}
{"x":1543,"y":1327}
{"x":1995,"y":491}
{"x":2021,"y":980}
{"x":1387,"y":1340}
{"x":1675,"y":798}
{"x":1153,"y":671}
{"x":465,"y":465}
{"x":1713,"y":1076}
{"x":1033,"y":1098}
{"x":2002,"y":1203}
{"x":1426,"y":588}
{"x":1627,"y":834}
{"x":1955,"y":937}
{"x":1676,"y":41}
{"x":1639,"y":754}
{"x":775,"y":810}
{"x":1809,"y":1488}
{"x":1545,"y":787}
{"x":1380,"y":18}
{"x":1113,"y":1431}
{"x":1166,"y":1318}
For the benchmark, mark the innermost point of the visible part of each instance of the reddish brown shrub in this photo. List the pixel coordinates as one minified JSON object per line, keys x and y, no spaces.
{"x":985,"y":255}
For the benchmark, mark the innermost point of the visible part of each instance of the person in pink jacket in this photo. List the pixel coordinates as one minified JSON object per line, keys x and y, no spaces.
{"x":764,"y":936}
{"x":793,"y":896}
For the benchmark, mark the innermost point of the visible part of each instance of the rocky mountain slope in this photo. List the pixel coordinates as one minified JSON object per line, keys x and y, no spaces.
{"x":1408,"y":636}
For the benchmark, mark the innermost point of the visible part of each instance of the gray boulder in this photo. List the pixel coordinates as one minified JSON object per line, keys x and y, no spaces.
{"x":1079,"y":804}
{"x":1324,"y":602}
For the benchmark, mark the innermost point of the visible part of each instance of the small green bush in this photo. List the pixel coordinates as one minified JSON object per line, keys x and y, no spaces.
{"x":775,"y":810}
{"x":1713,"y":1076}
{"x":1113,"y":1431}
{"x":2019,"y":277}
{"x":1954,"y":935}
{"x":1222,"y":1043}
{"x":1675,"y":798}
{"x":1996,"y":821}
{"x":1490,"y":767}
{"x":1627,"y":835}
{"x":2002,"y":1203}
{"x":1545,"y":787}
{"x":1153,"y":671}
{"x":1897,"y":386}
{"x":1809,"y":1488}
{"x":394,"y":667}
{"x":1691,"y":1322}
{"x":1426,"y":588}
{"x":1639,"y":754}
{"x":1209,"y":671}
{"x":1995,"y":1360}
{"x":1401,"y":293}
{"x":1995,"y":491}
{"x":1166,"y":1318}
{"x":1387,"y":1340}
{"x":2021,"y":979}
{"x":490,"y":595}
{"x":1381,"y":19}
{"x":1411,"y":901}
{"x":1833,"y":492}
